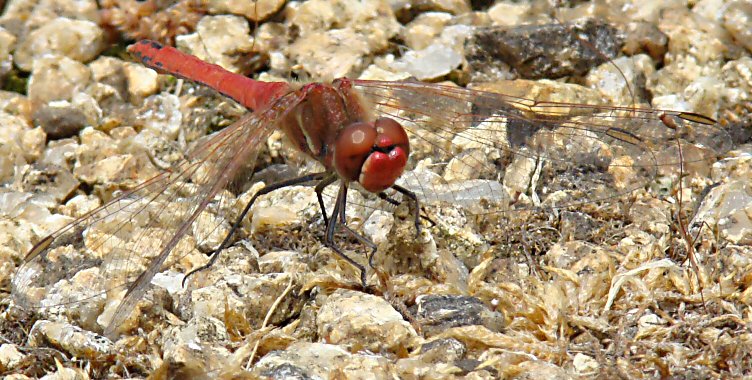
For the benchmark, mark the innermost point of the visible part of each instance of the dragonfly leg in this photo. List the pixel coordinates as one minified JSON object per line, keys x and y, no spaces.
{"x":389,"y":199}
{"x":416,"y":212}
{"x":363,"y":240}
{"x":394,"y":202}
{"x":326,"y":181}
{"x":336,"y":218}
{"x":414,"y":198}
{"x":265,"y":190}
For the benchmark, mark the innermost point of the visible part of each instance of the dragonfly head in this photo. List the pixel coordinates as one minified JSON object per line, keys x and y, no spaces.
{"x":373,"y":154}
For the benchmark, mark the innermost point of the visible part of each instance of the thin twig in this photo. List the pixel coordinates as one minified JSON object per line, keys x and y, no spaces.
{"x":266,"y":320}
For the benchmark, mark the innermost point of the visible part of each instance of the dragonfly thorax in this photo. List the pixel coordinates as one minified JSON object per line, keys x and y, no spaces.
{"x":329,"y":123}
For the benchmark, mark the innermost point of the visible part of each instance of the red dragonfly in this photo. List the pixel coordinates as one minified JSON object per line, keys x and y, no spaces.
{"x":418,"y":142}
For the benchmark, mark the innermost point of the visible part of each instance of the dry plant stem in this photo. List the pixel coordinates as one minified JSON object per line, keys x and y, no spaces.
{"x":528,"y":256}
{"x":683,"y":228}
{"x":266,"y":319}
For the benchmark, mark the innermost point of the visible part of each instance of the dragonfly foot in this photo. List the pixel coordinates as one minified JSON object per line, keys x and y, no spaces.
{"x":199,"y":269}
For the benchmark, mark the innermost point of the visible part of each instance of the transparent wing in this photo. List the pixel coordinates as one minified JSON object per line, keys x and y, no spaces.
{"x":117,"y":249}
{"x":469,"y":145}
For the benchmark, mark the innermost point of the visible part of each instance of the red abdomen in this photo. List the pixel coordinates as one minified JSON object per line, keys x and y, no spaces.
{"x":246,"y":91}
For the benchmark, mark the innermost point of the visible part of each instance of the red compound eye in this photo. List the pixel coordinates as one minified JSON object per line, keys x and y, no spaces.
{"x":374,"y":154}
{"x":391,"y":134}
{"x":353,"y":145}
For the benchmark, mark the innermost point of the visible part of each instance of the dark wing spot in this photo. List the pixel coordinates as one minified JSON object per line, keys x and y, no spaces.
{"x":624,"y":136}
{"x":697,"y":118}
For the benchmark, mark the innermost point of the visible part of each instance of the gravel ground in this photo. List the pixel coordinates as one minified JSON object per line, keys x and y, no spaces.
{"x":540,"y":254}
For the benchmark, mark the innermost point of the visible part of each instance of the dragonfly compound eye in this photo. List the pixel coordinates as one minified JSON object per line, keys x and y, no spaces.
{"x":374,"y":154}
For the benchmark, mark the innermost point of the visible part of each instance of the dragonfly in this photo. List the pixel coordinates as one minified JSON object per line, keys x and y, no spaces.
{"x":398,"y":141}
